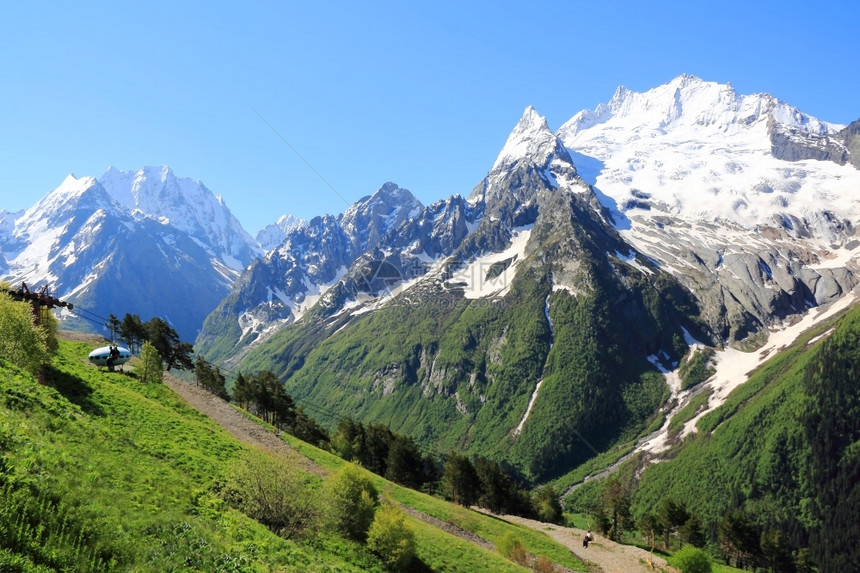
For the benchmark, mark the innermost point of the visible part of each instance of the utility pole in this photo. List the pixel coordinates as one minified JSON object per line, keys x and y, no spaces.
{"x":38,"y":300}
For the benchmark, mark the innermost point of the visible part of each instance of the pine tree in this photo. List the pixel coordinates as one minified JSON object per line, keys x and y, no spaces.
{"x":460,"y":480}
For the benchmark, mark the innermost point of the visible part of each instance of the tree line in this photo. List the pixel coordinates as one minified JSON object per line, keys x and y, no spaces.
{"x":735,"y":538}
{"x":134,"y":332}
{"x":375,"y":447}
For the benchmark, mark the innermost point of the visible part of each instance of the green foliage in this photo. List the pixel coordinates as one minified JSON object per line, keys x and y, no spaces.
{"x":831,"y":425}
{"x":455,"y":373}
{"x":512,"y":548}
{"x":547,"y":506}
{"x":671,"y":516}
{"x":376,"y":448}
{"x":118,"y":472}
{"x":263,"y":395}
{"x":404,"y":463}
{"x":696,"y":368}
{"x":691,"y":559}
{"x":210,"y":378}
{"x":175,"y":353}
{"x":50,"y":325}
{"x":692,"y":532}
{"x":774,"y":470}
{"x":352,"y":500}
{"x":21,"y":342}
{"x":13,"y":563}
{"x":132,"y":331}
{"x":151,"y":367}
{"x":450,"y":554}
{"x":274,"y":492}
{"x":651,"y":527}
{"x":460,"y":481}
{"x":500,"y":493}
{"x":696,"y":404}
{"x":101,"y":473}
{"x":614,"y":518}
{"x":391,"y":538}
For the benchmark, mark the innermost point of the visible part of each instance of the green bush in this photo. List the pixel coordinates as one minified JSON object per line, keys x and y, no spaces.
{"x":512,"y":548}
{"x":352,"y":500}
{"x":690,"y":559}
{"x":391,"y":538}
{"x":21,"y":342}
{"x":12,"y":563}
{"x":152,"y":367}
{"x":273,"y":492}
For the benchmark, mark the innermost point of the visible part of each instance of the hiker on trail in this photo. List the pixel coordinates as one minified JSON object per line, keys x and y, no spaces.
{"x":588,"y":538}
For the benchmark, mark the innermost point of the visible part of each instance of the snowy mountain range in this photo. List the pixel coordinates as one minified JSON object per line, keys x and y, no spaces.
{"x":142,"y":242}
{"x":746,"y":200}
{"x":587,"y":260}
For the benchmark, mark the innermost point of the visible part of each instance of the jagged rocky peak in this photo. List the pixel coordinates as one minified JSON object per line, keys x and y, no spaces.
{"x":274,"y":234}
{"x":84,"y":193}
{"x":795,"y":136}
{"x":372,"y":217}
{"x":533,"y":160}
{"x":154,"y":190}
{"x":186,"y":204}
{"x":530,"y":139}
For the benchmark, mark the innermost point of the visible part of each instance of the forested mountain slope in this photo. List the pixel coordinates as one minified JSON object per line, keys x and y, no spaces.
{"x":782,"y":455}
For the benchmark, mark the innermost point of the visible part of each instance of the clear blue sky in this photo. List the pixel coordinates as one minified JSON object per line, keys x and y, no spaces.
{"x":420,"y":93}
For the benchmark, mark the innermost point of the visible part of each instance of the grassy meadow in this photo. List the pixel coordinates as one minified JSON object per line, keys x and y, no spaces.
{"x":99,"y":472}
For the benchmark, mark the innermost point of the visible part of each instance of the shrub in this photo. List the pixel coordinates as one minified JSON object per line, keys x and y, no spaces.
{"x":690,"y":559}
{"x":546,"y":505}
{"x":352,"y":500}
{"x":543,"y":564}
{"x":391,"y":538}
{"x":152,"y":368}
{"x":274,"y":493}
{"x":512,"y":548}
{"x":21,"y":342}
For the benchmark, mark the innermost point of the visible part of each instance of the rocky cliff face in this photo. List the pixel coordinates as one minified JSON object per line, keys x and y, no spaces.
{"x":792,"y":143}
{"x":850,"y":136}
{"x":282,"y":286}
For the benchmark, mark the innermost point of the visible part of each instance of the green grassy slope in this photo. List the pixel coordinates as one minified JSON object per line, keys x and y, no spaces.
{"x":99,"y":472}
{"x":784,"y":449}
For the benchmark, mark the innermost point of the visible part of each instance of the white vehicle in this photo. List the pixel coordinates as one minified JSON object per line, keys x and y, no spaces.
{"x":110,"y":356}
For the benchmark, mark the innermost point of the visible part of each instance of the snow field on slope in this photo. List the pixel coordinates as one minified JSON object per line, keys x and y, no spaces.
{"x":733,"y":368}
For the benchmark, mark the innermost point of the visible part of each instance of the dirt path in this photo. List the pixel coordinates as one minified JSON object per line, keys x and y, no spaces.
{"x":238,"y":425}
{"x":602,"y":555}
{"x":608,"y":556}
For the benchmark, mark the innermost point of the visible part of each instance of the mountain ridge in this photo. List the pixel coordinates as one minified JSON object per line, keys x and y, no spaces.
{"x":557,"y":251}
{"x":98,"y":247}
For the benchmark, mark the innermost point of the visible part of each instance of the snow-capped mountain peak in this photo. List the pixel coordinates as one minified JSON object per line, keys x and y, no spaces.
{"x":530,"y":138}
{"x":643,"y":142}
{"x":187,"y":205}
{"x":372,"y":217}
{"x":274,"y":234}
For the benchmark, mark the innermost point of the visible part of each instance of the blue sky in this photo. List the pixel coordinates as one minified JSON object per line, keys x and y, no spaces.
{"x":422,"y":94}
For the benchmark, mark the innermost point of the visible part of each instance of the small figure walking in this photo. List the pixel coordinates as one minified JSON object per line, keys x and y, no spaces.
{"x":589,"y":537}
